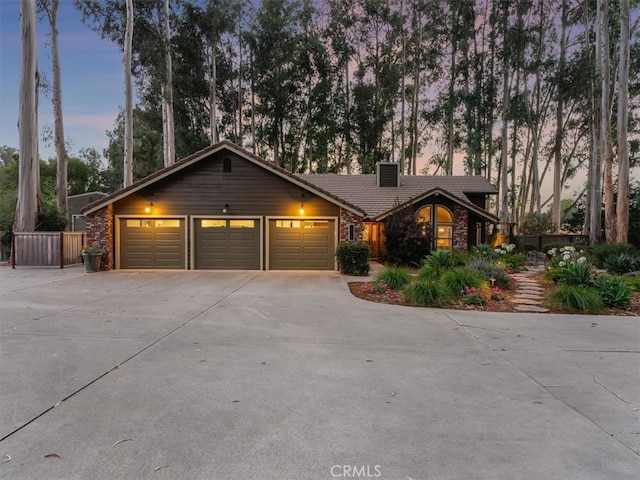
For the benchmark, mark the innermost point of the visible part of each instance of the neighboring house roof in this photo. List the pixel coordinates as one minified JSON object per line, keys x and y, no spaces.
{"x":206,"y":152}
{"x":378,"y":202}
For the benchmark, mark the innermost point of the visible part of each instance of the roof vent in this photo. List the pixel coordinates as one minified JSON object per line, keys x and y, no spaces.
{"x":388,"y":174}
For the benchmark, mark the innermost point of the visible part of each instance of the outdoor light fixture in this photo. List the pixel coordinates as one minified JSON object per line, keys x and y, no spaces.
{"x":301,"y":211}
{"x":225,"y":208}
{"x":148,"y":208}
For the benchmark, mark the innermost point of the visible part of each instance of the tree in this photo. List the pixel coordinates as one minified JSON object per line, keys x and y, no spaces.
{"x":128,"y":98}
{"x":27,"y":206}
{"x":622,"y":215}
{"x":50,"y":9}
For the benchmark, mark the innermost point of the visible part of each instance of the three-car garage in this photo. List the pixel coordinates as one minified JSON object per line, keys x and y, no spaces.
{"x":225,"y":243}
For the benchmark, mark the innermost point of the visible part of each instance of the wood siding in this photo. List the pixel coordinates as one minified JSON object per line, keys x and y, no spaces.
{"x":204,"y":189}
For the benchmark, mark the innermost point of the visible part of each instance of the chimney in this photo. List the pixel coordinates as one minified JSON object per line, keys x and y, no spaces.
{"x":388,"y":174}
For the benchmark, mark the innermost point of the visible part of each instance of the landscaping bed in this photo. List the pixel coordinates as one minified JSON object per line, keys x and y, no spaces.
{"x":505,"y":305}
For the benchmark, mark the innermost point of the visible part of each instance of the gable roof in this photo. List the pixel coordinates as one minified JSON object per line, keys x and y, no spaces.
{"x":378,"y":202}
{"x":205,"y":153}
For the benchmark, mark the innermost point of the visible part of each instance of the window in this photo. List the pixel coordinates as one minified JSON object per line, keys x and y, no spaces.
{"x":242,"y":223}
{"x":352,"y":232}
{"x":315,"y":224}
{"x":162,"y":223}
{"x":138,"y":223}
{"x":441,"y":218}
{"x":288,"y":223}
{"x":213,"y":223}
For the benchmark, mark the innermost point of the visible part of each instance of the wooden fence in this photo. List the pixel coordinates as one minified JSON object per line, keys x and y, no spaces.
{"x":47,"y":249}
{"x":525,"y":242}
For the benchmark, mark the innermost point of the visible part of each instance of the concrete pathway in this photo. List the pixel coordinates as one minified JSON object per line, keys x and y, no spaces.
{"x":286,"y":375}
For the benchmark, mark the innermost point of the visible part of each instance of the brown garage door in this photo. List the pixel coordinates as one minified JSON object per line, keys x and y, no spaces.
{"x":302,"y":244}
{"x":227,"y":244}
{"x":152,"y":243}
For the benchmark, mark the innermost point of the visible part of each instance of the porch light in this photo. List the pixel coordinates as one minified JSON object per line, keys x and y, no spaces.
{"x":148,"y":208}
{"x":225,"y":208}
{"x":301,"y":211}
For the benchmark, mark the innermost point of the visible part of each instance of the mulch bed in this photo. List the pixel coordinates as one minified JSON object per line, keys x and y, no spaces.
{"x":505,"y":305}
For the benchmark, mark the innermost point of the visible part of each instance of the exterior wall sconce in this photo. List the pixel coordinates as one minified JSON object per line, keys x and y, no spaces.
{"x":225,"y":208}
{"x":301,"y":211}
{"x":149,"y":208}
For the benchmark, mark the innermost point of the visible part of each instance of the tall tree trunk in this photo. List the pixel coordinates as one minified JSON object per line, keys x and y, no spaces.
{"x":213,"y":94}
{"x":167,"y":92}
{"x":50,"y":8}
{"x":451,"y":99}
{"x":504,"y":154}
{"x":239,"y":138}
{"x":128,"y":97}
{"x":403,"y":97}
{"x":606,"y":150}
{"x":29,"y":166}
{"x":595,"y":166}
{"x":622,"y":216}
{"x":557,"y":164}
{"x":347,"y":133}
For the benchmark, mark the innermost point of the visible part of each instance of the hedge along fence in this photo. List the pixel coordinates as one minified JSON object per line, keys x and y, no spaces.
{"x":47,"y":249}
{"x":539,"y":241}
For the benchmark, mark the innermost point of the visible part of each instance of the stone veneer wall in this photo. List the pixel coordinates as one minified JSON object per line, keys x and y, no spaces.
{"x":347,"y":218}
{"x":100,"y":234}
{"x":460,"y":227}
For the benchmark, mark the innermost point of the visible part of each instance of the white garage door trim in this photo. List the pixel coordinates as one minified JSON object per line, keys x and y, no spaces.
{"x":192,"y":227}
{"x":147,"y":217}
{"x":300,"y":217}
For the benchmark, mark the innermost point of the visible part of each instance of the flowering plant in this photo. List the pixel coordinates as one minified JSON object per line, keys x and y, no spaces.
{"x":505,"y":248}
{"x":475,"y":296}
{"x":564,"y":255}
{"x":378,"y":288}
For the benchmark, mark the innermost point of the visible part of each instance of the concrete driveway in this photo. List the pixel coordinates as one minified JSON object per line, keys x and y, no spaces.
{"x":271,"y":375}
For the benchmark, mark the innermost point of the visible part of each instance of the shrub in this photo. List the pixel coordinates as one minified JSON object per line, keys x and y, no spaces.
{"x":633,"y":282}
{"x":489,"y":271}
{"x":51,"y":220}
{"x":456,"y":279}
{"x":613,"y":291}
{"x":395,"y":277}
{"x":598,"y":253}
{"x":440,"y":259}
{"x":353,"y":258}
{"x":459,"y":257}
{"x":536,"y":224}
{"x":577,"y":299}
{"x":483,"y":250}
{"x":512,"y":261}
{"x":620,"y":263}
{"x":575,"y":273}
{"x":428,"y":293}
{"x":428,"y":272}
{"x":407,"y":241}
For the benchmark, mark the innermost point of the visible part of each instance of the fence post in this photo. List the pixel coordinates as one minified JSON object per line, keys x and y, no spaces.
{"x":61,"y":249}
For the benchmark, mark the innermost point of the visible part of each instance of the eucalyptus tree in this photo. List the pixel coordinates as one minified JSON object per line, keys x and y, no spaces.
{"x":27,"y":205}
{"x":49,"y":9}
{"x":622,"y":214}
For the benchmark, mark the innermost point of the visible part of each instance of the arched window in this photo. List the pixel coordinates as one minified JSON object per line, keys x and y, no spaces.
{"x":441,"y":219}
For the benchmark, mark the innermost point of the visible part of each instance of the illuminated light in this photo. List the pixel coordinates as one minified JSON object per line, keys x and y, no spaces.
{"x":225,"y":208}
{"x":148,"y":208}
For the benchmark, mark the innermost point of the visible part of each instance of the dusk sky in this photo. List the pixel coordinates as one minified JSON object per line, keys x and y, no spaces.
{"x":92,"y":80}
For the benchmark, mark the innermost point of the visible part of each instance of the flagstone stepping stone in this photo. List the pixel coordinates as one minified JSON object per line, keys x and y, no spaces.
{"x":527,"y":296}
{"x":531,"y":309}
{"x":527,"y":301}
{"x":531,"y":290}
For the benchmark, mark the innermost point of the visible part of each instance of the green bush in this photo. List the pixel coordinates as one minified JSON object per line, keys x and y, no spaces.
{"x":459,"y":257}
{"x":353,"y":258}
{"x":575,"y":273}
{"x":536,"y":224}
{"x":394,"y":276}
{"x":613,"y":291}
{"x":513,"y":261}
{"x":633,"y":282}
{"x":456,"y":279}
{"x":599,"y":253}
{"x":429,"y":272}
{"x":51,"y":220}
{"x":427,"y":293}
{"x":577,"y":299}
{"x":488,"y":271}
{"x":440,"y":259}
{"x":621,"y":263}
{"x":407,"y":241}
{"x":483,"y":250}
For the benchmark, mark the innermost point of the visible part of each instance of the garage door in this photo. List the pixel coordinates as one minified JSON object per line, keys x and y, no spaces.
{"x":302,"y":244}
{"x":227,"y":244}
{"x":152,"y":243}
